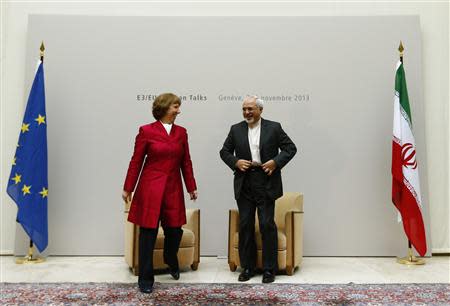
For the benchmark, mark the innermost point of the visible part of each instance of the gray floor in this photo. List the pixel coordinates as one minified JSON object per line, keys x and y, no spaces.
{"x":319,"y":270}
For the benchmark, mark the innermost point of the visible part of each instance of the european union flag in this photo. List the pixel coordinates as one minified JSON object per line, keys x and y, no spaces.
{"x":28,"y":181}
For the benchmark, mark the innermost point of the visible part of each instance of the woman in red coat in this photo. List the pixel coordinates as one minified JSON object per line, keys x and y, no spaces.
{"x":162,"y":148}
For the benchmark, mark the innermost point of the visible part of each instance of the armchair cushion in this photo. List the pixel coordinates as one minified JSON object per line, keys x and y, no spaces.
{"x":187,"y":240}
{"x":281,"y":240}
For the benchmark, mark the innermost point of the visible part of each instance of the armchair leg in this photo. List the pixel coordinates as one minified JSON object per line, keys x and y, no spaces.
{"x":135,"y":271}
{"x":194,"y":266}
{"x":233,"y":266}
{"x":290,"y":270}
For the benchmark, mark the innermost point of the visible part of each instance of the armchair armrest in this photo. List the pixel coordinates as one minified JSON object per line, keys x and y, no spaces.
{"x":130,"y":235}
{"x":294,"y":239}
{"x":193,"y":223}
{"x":233,"y":227}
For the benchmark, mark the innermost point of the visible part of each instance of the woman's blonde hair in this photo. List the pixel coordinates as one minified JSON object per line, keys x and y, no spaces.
{"x":162,"y":104}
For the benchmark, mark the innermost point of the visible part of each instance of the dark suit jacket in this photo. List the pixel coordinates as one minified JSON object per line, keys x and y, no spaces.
{"x":274,"y":144}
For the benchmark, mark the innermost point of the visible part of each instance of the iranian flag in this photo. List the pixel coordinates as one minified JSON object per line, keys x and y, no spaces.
{"x":405,"y":173}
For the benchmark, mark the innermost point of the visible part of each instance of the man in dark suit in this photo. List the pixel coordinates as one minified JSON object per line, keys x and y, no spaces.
{"x":256,"y":150}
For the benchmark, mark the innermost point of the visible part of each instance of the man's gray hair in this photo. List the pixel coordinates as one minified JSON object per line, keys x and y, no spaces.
{"x":259,"y":101}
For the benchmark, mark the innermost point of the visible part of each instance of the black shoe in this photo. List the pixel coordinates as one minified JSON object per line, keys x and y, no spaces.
{"x":175,"y":273}
{"x":246,"y":275}
{"x":148,"y":288}
{"x":268,"y":277}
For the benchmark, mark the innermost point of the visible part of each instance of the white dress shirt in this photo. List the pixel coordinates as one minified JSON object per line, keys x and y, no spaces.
{"x":254,"y":134}
{"x":167,"y":126}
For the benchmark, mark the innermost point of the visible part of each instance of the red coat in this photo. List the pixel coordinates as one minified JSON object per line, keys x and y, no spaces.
{"x":159,"y":192}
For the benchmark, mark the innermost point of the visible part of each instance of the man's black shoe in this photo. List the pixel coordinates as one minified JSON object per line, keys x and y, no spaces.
{"x":246,"y":275}
{"x":268,"y":277}
{"x":146,"y":288}
{"x":175,"y":273}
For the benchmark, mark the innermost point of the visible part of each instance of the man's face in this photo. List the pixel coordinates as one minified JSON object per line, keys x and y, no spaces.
{"x":251,"y":111}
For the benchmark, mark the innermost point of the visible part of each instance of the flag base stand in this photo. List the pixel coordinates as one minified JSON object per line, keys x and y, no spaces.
{"x":413,"y":260}
{"x":29,"y":258}
{"x":410,"y":259}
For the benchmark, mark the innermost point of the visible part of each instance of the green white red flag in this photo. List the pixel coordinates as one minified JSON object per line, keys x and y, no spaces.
{"x":405,"y":173}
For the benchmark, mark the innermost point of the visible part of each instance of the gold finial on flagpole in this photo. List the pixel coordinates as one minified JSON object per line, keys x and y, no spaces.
{"x":401,"y":49}
{"x":42,"y":48}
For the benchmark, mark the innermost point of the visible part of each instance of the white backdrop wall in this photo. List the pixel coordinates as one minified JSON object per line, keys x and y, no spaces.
{"x":329,"y":103}
{"x":434,"y":22}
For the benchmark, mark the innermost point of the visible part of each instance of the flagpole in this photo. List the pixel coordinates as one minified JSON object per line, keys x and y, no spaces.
{"x":28,"y":259}
{"x":410,"y":259}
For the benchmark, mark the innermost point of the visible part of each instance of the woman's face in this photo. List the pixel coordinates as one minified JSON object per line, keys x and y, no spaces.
{"x":172,"y":113}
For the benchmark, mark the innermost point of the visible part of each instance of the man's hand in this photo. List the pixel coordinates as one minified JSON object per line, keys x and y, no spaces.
{"x":243,"y":164}
{"x":194,"y":195}
{"x":269,"y":167}
{"x":126,"y":196}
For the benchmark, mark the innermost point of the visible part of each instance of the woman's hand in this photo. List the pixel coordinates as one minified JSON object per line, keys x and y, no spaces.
{"x":126,"y":196}
{"x":194,"y":195}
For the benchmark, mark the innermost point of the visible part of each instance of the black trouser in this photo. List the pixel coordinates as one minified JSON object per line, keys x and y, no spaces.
{"x":147,"y":239}
{"x":254,"y":197}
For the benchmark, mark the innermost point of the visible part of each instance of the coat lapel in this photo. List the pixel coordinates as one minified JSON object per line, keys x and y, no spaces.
{"x":263,"y":133}
{"x":162,"y":130}
{"x":244,"y":131}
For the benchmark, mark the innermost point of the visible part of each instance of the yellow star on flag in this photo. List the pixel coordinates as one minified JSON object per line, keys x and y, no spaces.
{"x":44,"y":192}
{"x":14,"y":161}
{"x":17,"y":179}
{"x":40,"y":119}
{"x":26,"y":189}
{"x":25,"y":127}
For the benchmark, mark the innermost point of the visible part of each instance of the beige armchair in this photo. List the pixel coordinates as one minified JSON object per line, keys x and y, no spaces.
{"x":289,"y":221}
{"x":188,"y":253}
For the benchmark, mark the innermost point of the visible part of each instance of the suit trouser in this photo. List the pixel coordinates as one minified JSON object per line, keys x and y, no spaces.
{"x":253,"y":196}
{"x":147,"y":239}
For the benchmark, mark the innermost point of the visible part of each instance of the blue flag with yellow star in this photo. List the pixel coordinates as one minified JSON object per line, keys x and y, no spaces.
{"x":28,"y":181}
